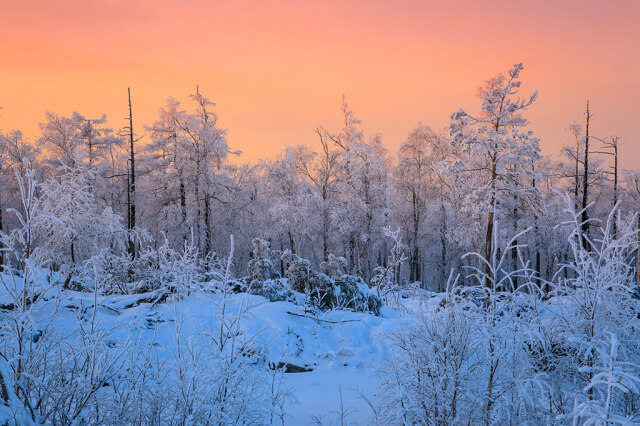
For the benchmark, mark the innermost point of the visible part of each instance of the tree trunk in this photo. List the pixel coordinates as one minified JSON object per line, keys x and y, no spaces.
{"x":415,"y":257}
{"x":354,"y":254}
{"x":207,"y":222}
{"x":538,"y":268}
{"x":537,"y":238}
{"x":1,"y":245}
{"x":132,"y":182}
{"x":183,"y":209}
{"x":514,"y":251}
{"x":325,"y":234}
{"x":577,"y":176}
{"x":280,"y":257}
{"x":492,"y":370}
{"x":90,"y":144}
{"x":638,"y":256}
{"x":585,"y":186}
{"x":443,"y":242}
{"x":4,"y":392}
{"x":128,"y":199}
{"x":488,"y":242}
{"x":183,"y":201}
{"x":357,"y":247}
{"x":292,"y":244}
{"x":615,"y":186}
{"x":196,"y":191}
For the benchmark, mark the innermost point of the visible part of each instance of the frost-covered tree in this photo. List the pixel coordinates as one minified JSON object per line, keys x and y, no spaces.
{"x":497,"y":152}
{"x":290,"y":203}
{"x":84,"y":225}
{"x":363,"y":184}
{"x":17,"y":326}
{"x":596,"y":300}
{"x":15,"y":152}
{"x":73,"y":140}
{"x":421,"y":188}
{"x":192,"y":148}
{"x":323,"y":171}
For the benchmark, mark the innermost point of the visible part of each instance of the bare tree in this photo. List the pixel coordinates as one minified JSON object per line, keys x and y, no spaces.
{"x":611,"y":147}
{"x":585,"y":183}
{"x":131,"y":187}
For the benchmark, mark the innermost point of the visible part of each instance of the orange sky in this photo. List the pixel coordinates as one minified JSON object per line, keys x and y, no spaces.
{"x":277,"y":69}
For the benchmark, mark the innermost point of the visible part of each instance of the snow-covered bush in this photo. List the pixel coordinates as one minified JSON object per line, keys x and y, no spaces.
{"x":263,"y":280}
{"x":432,"y":379}
{"x":61,"y":364}
{"x":178,"y":272}
{"x":261,"y":266}
{"x":334,"y":266}
{"x":386,"y":282}
{"x":24,"y":343}
{"x":354,"y":294}
{"x":613,"y":386}
{"x":600,"y":320}
{"x":54,"y":375}
{"x":273,"y":290}
{"x":319,"y":288}
{"x":468,"y":361}
{"x":501,"y":352}
{"x":213,"y":376}
{"x":116,"y":272}
{"x":340,"y":291}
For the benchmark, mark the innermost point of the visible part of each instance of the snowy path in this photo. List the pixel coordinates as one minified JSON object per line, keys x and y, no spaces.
{"x":318,"y":394}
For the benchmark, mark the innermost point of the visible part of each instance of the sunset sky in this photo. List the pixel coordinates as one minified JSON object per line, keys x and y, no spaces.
{"x":278,"y":69}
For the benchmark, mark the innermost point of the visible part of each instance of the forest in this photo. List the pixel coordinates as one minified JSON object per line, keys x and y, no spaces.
{"x":151,"y":276}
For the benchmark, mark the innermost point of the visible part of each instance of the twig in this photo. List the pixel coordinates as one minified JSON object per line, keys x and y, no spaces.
{"x":320,"y":319}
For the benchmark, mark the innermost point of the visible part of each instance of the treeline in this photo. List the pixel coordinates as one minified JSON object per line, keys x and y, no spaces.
{"x":467,"y":188}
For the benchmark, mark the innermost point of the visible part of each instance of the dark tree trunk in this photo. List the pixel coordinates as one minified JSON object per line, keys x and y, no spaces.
{"x":514,"y":251}
{"x":638,"y":256}
{"x":90,"y":144}
{"x":537,"y":238}
{"x":415,"y":256}
{"x":577,"y":176}
{"x":443,"y":242}
{"x":183,"y":209}
{"x":1,"y":245}
{"x":183,"y":201}
{"x":207,"y":222}
{"x":488,"y":242}
{"x":281,"y":261}
{"x":4,"y":392}
{"x":132,"y":182}
{"x":585,"y":185}
{"x":325,"y":234}
{"x":615,"y":185}
{"x":292,"y":244}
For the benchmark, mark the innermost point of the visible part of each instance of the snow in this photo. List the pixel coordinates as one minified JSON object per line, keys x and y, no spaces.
{"x":341,"y":348}
{"x":318,"y":394}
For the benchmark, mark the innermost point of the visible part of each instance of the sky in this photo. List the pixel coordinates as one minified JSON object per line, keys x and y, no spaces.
{"x":278,"y":69}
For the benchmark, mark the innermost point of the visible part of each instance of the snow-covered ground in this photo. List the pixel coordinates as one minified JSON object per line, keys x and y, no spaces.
{"x":206,"y":357}
{"x":339,"y":349}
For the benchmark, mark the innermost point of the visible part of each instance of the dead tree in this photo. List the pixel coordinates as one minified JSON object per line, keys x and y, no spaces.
{"x":585,"y":184}
{"x":612,"y":149}
{"x":131,"y":187}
